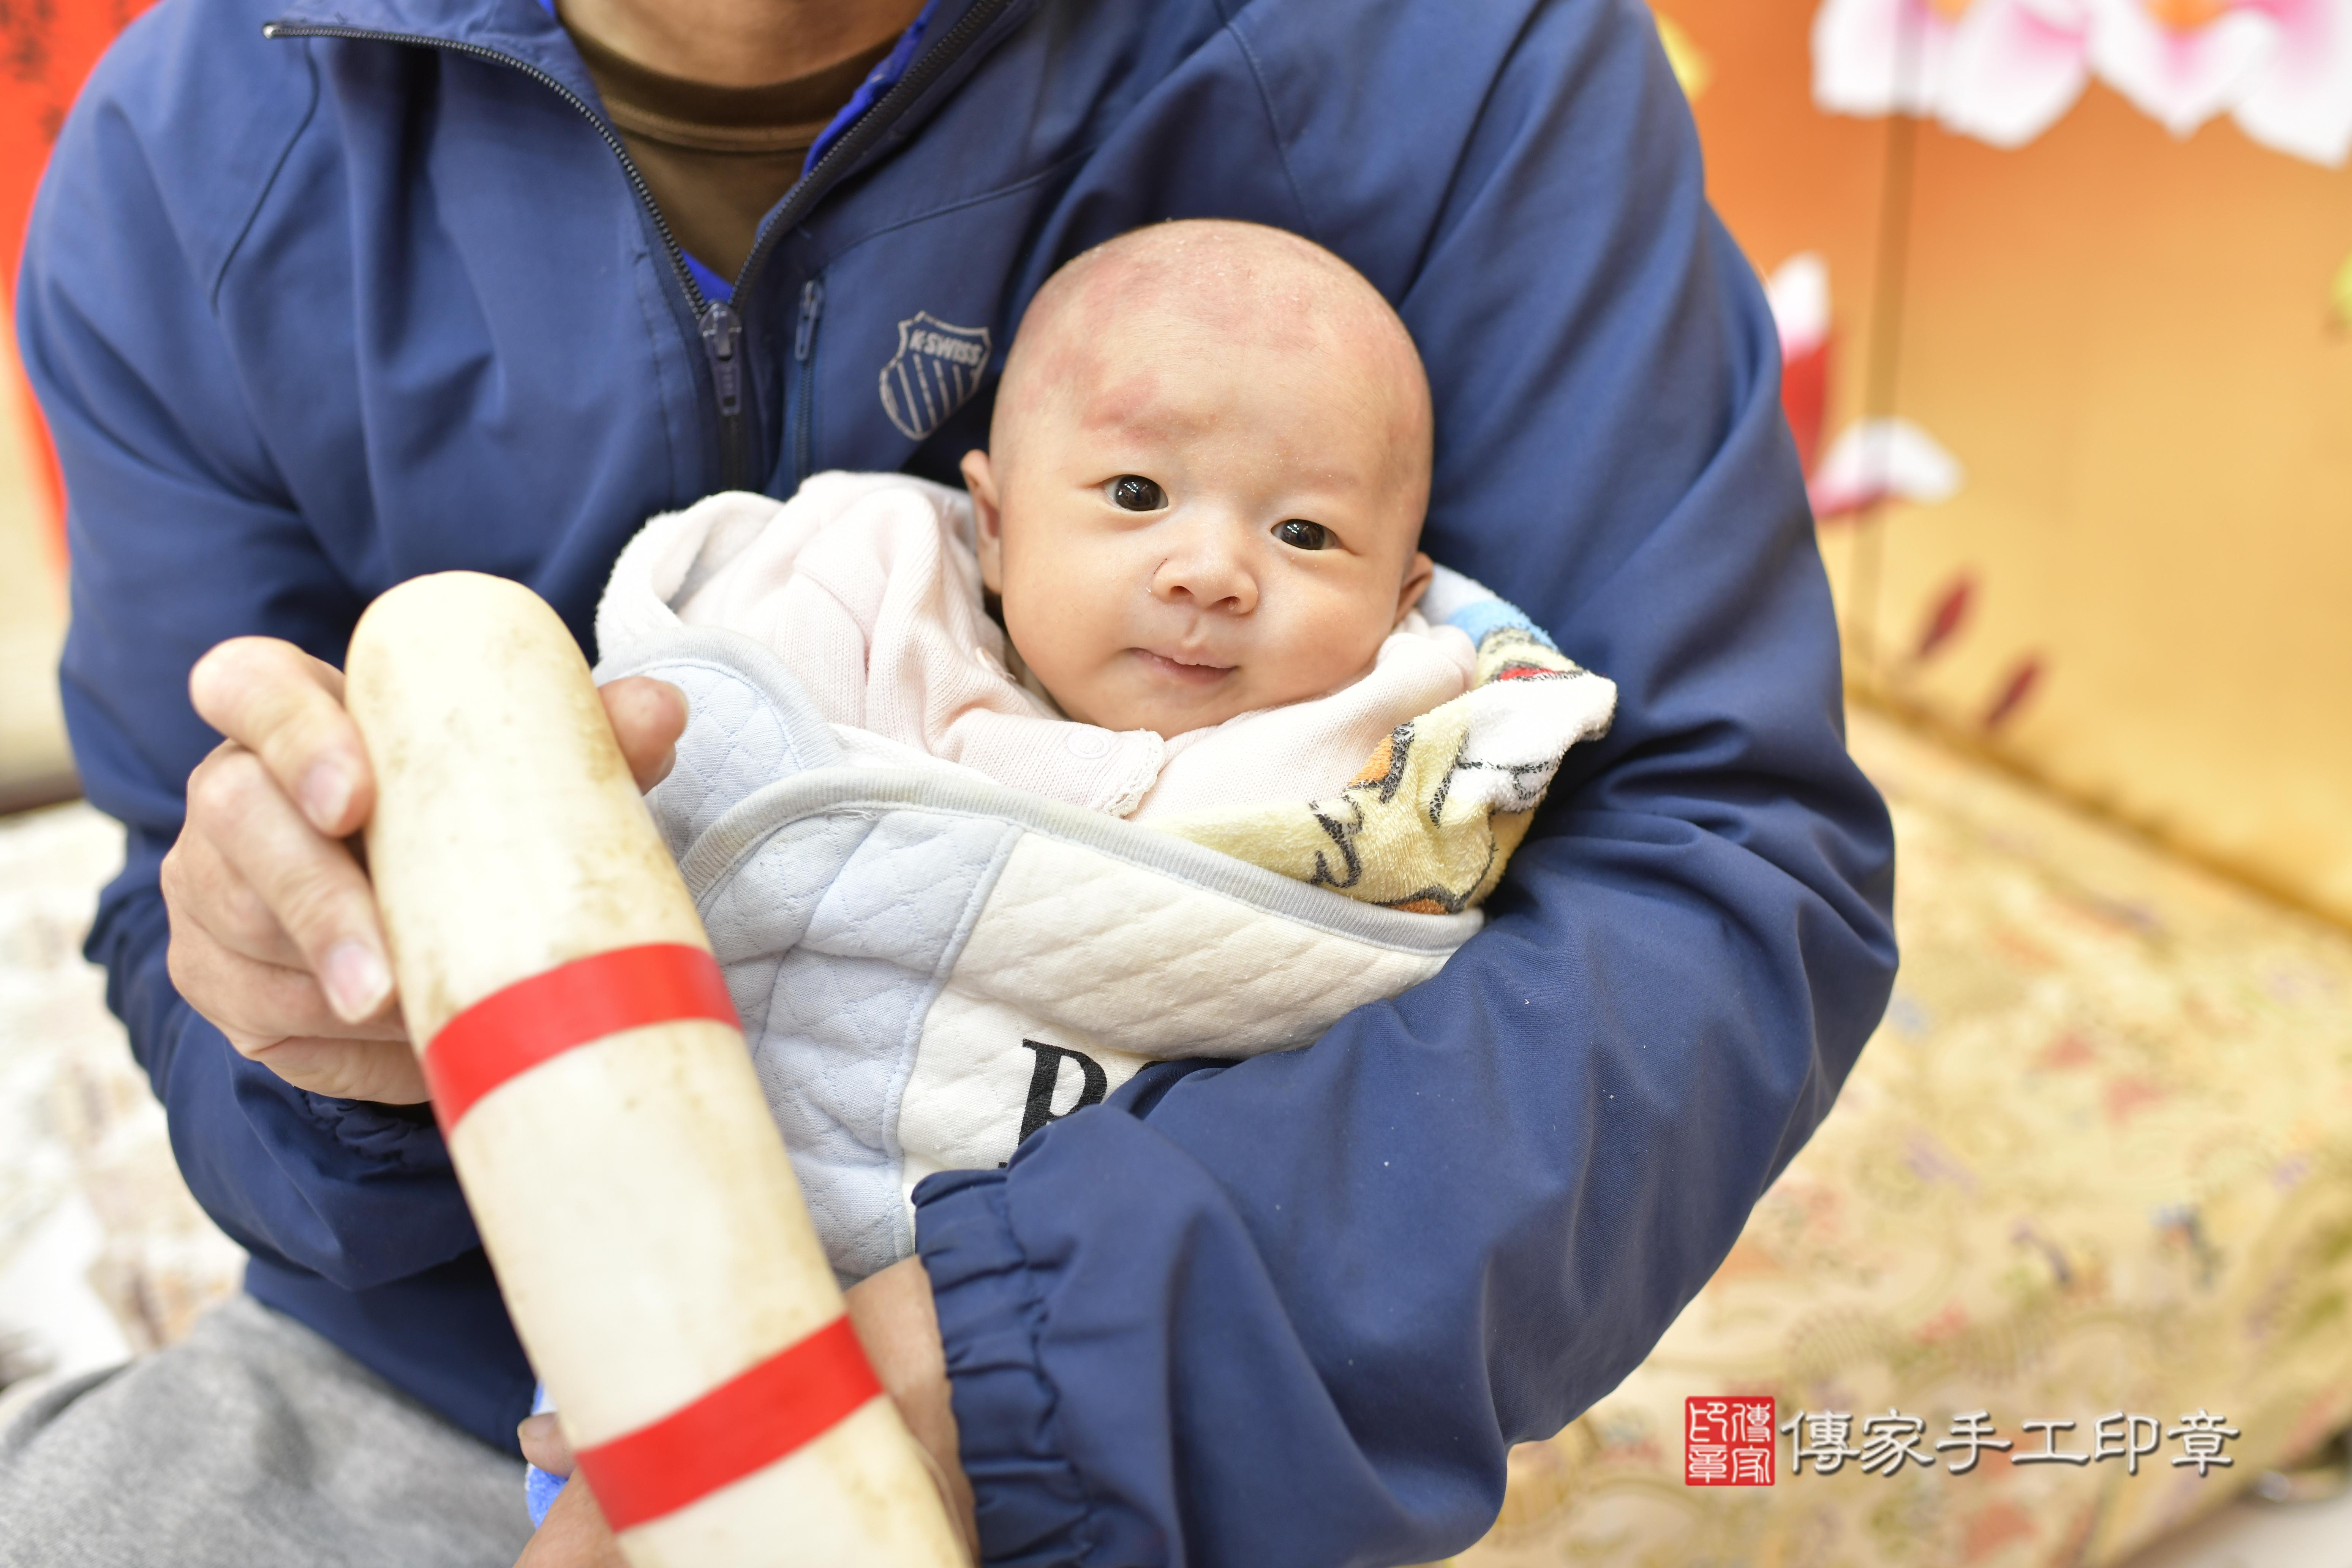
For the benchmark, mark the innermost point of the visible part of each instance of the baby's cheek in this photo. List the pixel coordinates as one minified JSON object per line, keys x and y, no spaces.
{"x":1063,"y":643}
{"x":1330,"y":646}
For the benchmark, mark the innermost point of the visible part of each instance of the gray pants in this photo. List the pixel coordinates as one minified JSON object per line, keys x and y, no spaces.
{"x":252,"y":1444}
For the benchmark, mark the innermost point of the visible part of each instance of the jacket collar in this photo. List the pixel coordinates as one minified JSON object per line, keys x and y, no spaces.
{"x":521,"y":31}
{"x":526,"y":29}
{"x":504,"y":23}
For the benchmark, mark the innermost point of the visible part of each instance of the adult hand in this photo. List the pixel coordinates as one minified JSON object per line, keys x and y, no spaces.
{"x":899,"y":1328}
{"x":274,"y":929}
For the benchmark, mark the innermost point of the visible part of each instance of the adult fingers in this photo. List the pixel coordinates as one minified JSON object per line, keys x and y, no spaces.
{"x":255,"y":1003}
{"x":647,"y":718}
{"x":544,"y":1444}
{"x":287,"y":708}
{"x":201,"y":886}
{"x":278,"y":1016}
{"x":311,"y":884}
{"x":574,"y":1534}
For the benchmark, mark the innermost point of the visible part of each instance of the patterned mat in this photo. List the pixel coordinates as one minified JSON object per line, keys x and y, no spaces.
{"x":102,"y":1252}
{"x":2097,"y":1162}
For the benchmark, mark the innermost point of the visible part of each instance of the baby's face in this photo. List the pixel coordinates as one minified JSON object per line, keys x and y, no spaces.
{"x":1185,"y":524}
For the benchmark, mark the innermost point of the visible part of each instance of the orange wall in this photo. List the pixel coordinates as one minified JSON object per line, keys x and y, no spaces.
{"x":2128,"y":342}
{"x":45,"y":50}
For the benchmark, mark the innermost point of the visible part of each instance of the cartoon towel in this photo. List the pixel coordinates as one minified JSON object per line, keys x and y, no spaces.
{"x":1430,"y":821}
{"x":930,"y":965}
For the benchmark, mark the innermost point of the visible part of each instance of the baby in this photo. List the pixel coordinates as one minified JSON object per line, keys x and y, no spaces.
{"x":1237,"y":759}
{"x":1197,"y":518}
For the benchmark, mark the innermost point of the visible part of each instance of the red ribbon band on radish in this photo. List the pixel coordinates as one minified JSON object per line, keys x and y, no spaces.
{"x":744,"y":1425}
{"x":510,"y":1032}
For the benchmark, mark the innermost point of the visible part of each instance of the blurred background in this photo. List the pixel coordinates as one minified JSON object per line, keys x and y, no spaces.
{"x":2065,"y":292}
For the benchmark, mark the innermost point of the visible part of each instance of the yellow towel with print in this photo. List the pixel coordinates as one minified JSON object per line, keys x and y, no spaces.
{"x":1430,"y":822}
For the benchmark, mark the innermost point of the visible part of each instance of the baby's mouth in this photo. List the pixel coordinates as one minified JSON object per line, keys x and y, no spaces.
{"x":1188,"y":670}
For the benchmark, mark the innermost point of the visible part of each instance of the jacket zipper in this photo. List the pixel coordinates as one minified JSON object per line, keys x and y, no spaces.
{"x":721,"y":327}
{"x":722,"y":343}
{"x":804,"y":394}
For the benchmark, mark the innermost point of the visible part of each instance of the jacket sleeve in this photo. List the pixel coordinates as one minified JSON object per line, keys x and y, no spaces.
{"x":1295,"y":1310}
{"x":180,"y":536}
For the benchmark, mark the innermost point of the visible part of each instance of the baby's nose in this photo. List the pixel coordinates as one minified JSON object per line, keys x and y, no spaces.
{"x":1207,"y":567}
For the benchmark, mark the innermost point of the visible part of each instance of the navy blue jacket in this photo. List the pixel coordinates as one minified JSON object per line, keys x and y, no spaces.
{"x":312,"y":313}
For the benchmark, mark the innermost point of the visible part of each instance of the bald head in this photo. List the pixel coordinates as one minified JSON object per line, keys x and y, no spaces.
{"x":1121,"y":317}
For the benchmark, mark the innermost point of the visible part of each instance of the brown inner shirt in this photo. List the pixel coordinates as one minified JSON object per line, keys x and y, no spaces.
{"x":718,"y":157}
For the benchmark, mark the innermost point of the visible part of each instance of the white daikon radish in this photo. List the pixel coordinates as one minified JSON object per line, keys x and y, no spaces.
{"x":602,"y":1113}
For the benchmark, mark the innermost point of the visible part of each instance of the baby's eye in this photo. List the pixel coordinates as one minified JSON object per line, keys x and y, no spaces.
{"x":1133,"y":492}
{"x":1300,"y":534}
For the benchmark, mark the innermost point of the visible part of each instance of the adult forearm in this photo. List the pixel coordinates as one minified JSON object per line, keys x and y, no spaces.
{"x":1298,"y":1311}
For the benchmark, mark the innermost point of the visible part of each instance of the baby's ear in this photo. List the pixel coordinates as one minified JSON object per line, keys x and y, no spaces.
{"x":1417,"y":573}
{"x":987,"y":530}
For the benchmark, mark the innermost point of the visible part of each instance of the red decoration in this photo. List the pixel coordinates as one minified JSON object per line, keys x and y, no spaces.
{"x":1950,"y":614}
{"x":2022,"y":680}
{"x":742,"y":1427}
{"x":510,"y":1032}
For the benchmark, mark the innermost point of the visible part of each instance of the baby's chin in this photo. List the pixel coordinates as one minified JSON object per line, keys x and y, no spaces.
{"x":1178,"y":707}
{"x":1164,"y":718}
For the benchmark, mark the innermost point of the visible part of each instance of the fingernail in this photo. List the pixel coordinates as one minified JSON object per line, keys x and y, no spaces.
{"x":537,"y":1428}
{"x":326,"y":792}
{"x":356,"y":980}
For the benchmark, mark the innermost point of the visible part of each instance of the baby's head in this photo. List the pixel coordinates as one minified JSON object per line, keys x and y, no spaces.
{"x":1205,"y":476}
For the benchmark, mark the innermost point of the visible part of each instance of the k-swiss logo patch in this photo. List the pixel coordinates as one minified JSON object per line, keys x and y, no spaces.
{"x":936,"y":368}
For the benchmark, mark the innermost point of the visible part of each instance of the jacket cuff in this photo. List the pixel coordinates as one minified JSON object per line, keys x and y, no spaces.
{"x":1031,"y":1506}
{"x":402,"y":1136}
